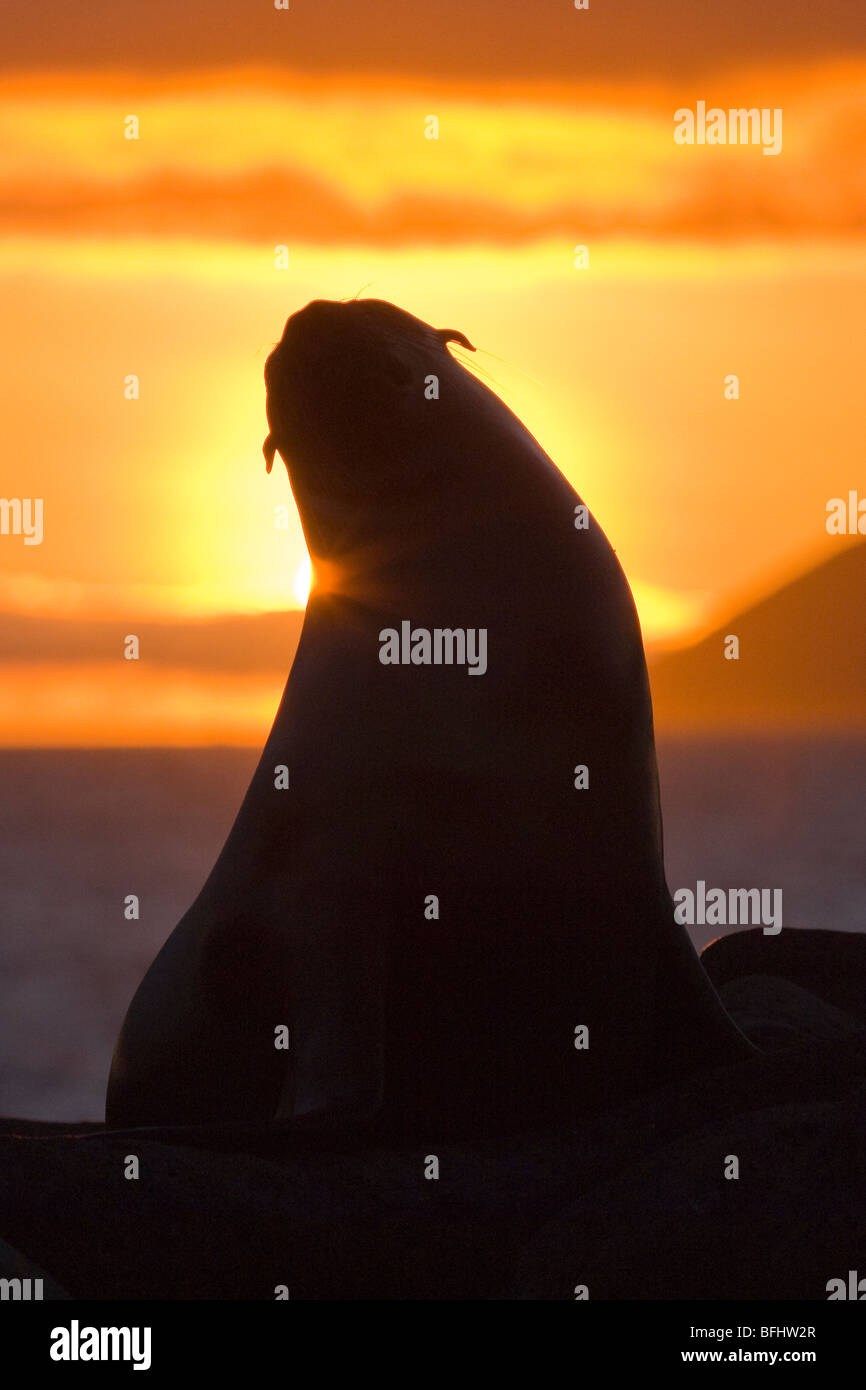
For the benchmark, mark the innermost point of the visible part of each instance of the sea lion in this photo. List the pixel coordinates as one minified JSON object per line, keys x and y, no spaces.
{"x":461,"y":933}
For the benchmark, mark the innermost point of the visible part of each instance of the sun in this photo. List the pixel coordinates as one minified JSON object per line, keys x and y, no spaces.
{"x":302,"y":581}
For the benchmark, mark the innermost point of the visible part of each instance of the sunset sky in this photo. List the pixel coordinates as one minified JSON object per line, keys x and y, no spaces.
{"x":155,"y":257}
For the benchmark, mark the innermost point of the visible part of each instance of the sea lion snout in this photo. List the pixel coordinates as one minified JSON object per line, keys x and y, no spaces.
{"x":309,"y":333}
{"x":359,"y":332}
{"x":355,"y":336}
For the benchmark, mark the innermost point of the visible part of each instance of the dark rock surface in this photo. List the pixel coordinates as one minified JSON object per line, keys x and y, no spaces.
{"x":633,"y":1203}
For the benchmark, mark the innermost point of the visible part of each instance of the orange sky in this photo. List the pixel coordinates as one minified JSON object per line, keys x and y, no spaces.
{"x":155,"y":257}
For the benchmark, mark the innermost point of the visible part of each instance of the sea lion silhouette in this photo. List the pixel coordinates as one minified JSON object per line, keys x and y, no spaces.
{"x":459,"y":936}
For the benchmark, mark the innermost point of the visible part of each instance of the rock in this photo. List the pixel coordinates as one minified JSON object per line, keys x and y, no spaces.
{"x":633,"y":1202}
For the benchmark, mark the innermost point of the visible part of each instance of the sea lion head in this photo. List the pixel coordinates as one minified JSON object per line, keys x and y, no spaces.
{"x":349,"y":406}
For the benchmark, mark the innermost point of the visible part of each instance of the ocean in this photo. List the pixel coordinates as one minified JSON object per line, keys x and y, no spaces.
{"x":82,"y":829}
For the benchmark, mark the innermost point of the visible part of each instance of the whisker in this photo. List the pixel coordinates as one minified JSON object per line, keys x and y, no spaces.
{"x":350,"y":298}
{"x":506,"y":363}
{"x":476,"y":369}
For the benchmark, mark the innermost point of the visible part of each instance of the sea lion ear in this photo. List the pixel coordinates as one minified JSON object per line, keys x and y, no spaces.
{"x":453,"y":335}
{"x":269,"y":448}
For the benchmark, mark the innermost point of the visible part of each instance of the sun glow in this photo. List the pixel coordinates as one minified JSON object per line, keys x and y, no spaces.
{"x":302,"y":582}
{"x":158,"y":253}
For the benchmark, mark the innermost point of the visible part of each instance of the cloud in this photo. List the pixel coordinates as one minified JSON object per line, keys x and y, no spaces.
{"x":248,"y":643}
{"x":546,"y":39}
{"x":261,"y":158}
